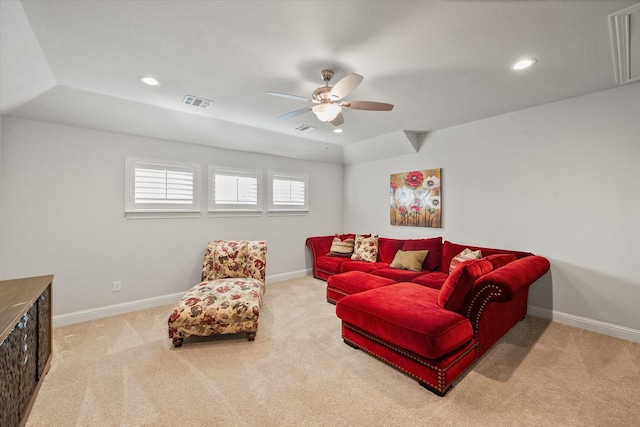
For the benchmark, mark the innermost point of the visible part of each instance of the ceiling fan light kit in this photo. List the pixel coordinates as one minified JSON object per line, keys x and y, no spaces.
{"x":326,"y":112}
{"x":327,"y":97}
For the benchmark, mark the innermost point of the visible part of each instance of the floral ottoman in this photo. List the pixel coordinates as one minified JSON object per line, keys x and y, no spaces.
{"x":221,"y":304}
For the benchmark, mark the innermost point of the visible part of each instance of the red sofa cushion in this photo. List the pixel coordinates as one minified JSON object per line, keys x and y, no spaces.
{"x":449,"y":250}
{"x":433,"y":245}
{"x":432,"y":279}
{"x":331,"y":264}
{"x":363,"y":266}
{"x":407,"y":315}
{"x":397,"y":274}
{"x":387,"y":249}
{"x":460,"y":281}
{"x":352,"y":282}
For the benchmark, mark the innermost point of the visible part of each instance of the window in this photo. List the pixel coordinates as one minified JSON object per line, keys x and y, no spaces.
{"x":288,"y":192}
{"x":234,"y":190}
{"x":156,"y":186}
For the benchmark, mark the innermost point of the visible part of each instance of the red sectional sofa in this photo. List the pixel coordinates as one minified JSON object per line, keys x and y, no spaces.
{"x":429,"y":324}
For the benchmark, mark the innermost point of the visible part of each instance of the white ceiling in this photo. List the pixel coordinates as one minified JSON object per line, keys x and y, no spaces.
{"x":441,"y":63}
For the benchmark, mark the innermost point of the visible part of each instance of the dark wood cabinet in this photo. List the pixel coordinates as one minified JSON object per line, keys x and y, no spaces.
{"x":25,"y":344}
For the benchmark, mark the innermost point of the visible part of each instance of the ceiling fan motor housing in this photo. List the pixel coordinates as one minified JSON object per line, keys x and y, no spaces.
{"x":322,"y":93}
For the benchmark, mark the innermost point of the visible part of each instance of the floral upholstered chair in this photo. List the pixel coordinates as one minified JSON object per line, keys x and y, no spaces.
{"x":227,"y":301}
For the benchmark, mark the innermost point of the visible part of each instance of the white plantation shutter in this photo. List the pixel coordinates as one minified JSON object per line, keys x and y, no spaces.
{"x":161,"y":187}
{"x":288,"y":192}
{"x":233,"y":189}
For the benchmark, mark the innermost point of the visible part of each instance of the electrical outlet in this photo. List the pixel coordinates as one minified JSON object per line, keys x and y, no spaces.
{"x":116,"y":286}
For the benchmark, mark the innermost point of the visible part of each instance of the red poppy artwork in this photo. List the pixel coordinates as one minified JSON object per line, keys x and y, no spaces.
{"x":416,"y":198}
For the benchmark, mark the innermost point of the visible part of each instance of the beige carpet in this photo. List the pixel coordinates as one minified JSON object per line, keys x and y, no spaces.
{"x":123,"y":371}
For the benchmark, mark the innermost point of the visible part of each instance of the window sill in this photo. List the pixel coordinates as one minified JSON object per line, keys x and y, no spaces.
{"x":288,"y":213}
{"x":161,"y":215}
{"x":234,"y":214}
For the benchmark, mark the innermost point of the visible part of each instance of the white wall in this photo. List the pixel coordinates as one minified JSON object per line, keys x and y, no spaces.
{"x":62,"y":213}
{"x":1,"y":190}
{"x":560,"y":180}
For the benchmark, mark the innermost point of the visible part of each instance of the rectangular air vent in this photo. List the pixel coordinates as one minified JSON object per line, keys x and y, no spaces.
{"x":194,"y":101}
{"x":305,"y":128}
{"x":624,"y":27}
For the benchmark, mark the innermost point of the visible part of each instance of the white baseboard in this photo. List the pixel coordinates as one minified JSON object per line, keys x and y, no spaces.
{"x":288,"y":276}
{"x":112,"y":310}
{"x":597,"y":326}
{"x":127,"y":307}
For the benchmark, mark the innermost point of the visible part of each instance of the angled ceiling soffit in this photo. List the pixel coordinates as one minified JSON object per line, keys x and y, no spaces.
{"x":393,"y":144}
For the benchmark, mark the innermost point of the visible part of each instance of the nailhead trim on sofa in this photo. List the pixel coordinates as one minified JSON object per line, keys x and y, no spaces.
{"x":441,"y":387}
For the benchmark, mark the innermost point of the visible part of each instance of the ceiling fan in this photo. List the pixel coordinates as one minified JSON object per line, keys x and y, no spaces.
{"x":328,"y":108}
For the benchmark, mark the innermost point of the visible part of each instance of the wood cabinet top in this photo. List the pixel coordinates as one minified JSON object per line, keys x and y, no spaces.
{"x":16,"y":297}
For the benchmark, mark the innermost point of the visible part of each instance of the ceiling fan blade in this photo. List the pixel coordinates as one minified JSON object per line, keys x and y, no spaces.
{"x":367,"y":105}
{"x":338,"y":120}
{"x":296,"y":97}
{"x":345,"y":86}
{"x":295,"y":113}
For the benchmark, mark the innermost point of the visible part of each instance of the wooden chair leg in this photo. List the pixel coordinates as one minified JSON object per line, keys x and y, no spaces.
{"x":177,"y":341}
{"x":251,"y":336}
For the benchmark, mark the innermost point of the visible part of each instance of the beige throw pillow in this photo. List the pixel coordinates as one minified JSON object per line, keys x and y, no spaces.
{"x":409,"y":260}
{"x":463,"y":256}
{"x":341,"y":247}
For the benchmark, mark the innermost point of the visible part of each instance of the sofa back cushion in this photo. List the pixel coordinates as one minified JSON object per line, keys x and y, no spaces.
{"x":449,"y":250}
{"x":500,"y":260}
{"x":460,"y":281}
{"x":387,"y":249}
{"x":433,"y":245}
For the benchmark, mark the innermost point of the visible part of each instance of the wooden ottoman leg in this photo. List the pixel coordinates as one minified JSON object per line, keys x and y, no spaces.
{"x":251,"y":336}
{"x":177,"y":341}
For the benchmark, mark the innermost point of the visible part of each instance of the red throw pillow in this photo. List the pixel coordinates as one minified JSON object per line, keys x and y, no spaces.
{"x":460,"y":281}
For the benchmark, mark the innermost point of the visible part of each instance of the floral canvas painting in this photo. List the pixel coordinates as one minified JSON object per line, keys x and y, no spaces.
{"x":416,"y":198}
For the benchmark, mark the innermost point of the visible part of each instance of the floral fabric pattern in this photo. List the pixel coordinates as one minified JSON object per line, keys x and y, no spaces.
{"x":365,"y":249}
{"x":228,"y":299}
{"x":227,"y":258}
{"x":415,"y":198}
{"x":222,"y":306}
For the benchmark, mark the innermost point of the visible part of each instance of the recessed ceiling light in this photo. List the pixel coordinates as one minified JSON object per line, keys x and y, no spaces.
{"x":149,"y":81}
{"x":523,"y":63}
{"x":337,"y":131}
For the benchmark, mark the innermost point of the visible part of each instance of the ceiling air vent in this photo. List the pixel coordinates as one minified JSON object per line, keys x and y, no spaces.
{"x":194,"y":101}
{"x":624,"y":27}
{"x":305,"y":128}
